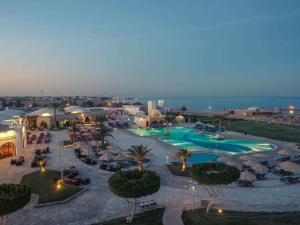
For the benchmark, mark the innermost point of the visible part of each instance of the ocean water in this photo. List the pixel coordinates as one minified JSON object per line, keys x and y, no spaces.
{"x":221,"y":103}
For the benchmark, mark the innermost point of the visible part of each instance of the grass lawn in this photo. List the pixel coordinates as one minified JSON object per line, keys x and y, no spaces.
{"x":43,"y":184}
{"x":153,"y":217}
{"x":198,"y":217}
{"x":273,"y":131}
{"x":176,"y":170}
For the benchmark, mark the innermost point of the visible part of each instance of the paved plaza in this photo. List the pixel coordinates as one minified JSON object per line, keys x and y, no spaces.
{"x":99,"y":204}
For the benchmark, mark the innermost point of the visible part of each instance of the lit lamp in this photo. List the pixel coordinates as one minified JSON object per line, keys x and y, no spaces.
{"x":43,"y":169}
{"x":220,"y":211}
{"x":193,"y":191}
{"x":59,"y":185}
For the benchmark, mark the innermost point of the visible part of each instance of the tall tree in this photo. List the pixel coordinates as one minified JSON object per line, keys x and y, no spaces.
{"x":139,"y":153}
{"x":133,"y":185}
{"x":55,"y":106}
{"x":102,"y":131}
{"x":213,"y":177}
{"x":183,"y":154}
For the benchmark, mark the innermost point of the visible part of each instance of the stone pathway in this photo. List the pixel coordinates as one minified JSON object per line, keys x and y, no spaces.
{"x":172,"y":216}
{"x":168,"y":179}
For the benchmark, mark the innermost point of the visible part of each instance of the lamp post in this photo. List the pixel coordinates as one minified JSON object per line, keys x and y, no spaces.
{"x":193,"y":192}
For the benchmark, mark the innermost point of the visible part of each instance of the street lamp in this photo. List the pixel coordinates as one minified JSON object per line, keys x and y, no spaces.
{"x":193,"y":191}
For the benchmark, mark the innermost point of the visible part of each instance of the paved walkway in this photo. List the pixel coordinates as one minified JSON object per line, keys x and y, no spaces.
{"x":172,"y":216}
{"x":99,"y":204}
{"x":168,"y":179}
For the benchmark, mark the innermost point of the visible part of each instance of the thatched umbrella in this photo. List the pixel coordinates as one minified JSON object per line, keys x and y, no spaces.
{"x":245,"y":157}
{"x":247,"y":176}
{"x":224,"y":158}
{"x":249,"y":163}
{"x":259,"y":168}
{"x":233,"y":163}
{"x":285,"y":152}
{"x":84,"y":151}
{"x":290,"y":166}
{"x":106,"y":157}
{"x":121,"y":157}
{"x":260,"y":155}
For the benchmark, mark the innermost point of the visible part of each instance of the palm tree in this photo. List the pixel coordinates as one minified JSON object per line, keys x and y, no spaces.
{"x":169,"y":119}
{"x":74,"y":129}
{"x":139,"y":153}
{"x":183,"y":154}
{"x":55,"y":105}
{"x":100,"y":119}
{"x":102,"y":131}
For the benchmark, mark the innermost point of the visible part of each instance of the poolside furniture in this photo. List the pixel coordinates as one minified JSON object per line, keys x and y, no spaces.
{"x":259,"y":168}
{"x":249,"y":163}
{"x":72,"y":180}
{"x":285,"y":152}
{"x":282,"y":159}
{"x":247,"y":176}
{"x":281,"y":172}
{"x":290,"y":166}
{"x":245,"y":183}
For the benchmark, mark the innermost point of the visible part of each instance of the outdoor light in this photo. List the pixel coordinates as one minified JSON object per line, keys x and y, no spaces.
{"x":59,"y":185}
{"x":43,"y":169}
{"x":193,"y":188}
{"x":220,"y":211}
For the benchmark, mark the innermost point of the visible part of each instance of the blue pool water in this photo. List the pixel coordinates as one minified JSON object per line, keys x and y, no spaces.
{"x":192,"y":139}
{"x":202,"y":158}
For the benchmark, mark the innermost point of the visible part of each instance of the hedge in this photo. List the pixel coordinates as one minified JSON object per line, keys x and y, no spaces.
{"x":132,"y":184}
{"x":13,"y":197}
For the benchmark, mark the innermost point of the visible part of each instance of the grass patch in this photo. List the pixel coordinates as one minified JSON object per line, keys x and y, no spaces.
{"x":176,"y":170}
{"x":153,"y":217}
{"x":43,"y":184}
{"x":199,"y":217}
{"x":273,"y":131}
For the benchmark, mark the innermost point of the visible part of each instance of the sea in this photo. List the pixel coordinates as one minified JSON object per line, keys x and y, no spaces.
{"x":225,"y":103}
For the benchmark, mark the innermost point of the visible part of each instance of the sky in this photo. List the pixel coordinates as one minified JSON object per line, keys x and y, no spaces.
{"x":150,"y":47}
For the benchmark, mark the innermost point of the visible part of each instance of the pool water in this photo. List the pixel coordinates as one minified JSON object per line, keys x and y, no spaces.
{"x":202,"y":158}
{"x":189,"y":138}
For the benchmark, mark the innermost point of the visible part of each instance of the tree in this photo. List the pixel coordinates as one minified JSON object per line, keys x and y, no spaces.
{"x":102,"y":131}
{"x":139,"y":153}
{"x":169,"y":120}
{"x":74,"y":129}
{"x":183,"y":154}
{"x":55,"y":106}
{"x":183,"y":108}
{"x":13,"y":197}
{"x":212,"y":176}
{"x":131,"y":185}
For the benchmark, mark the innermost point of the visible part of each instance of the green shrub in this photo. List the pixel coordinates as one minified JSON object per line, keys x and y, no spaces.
{"x":13,"y":197}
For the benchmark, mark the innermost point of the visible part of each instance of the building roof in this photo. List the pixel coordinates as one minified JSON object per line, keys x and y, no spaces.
{"x":74,"y":109}
{"x":46,"y":112}
{"x":10,"y":114}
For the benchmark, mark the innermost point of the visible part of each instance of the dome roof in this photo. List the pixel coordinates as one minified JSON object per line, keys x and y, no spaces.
{"x":45,"y":112}
{"x":74,"y":109}
{"x":155,"y":112}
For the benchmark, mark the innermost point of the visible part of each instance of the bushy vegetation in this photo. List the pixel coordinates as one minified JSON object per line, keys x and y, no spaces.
{"x":13,"y":197}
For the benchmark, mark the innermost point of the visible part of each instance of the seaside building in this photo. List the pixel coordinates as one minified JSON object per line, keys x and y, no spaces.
{"x":12,"y":133}
{"x":153,"y":118}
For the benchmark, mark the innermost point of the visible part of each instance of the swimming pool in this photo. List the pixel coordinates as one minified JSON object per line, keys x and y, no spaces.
{"x":189,"y":138}
{"x":198,"y":157}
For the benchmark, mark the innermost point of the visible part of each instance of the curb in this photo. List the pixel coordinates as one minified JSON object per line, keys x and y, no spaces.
{"x":61,"y":202}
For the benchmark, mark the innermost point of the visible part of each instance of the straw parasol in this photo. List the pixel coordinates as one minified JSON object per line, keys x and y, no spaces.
{"x":93,"y":143}
{"x":233,"y":163}
{"x":84,"y":151}
{"x":259,"y":168}
{"x":224,"y":158}
{"x":260,"y":155}
{"x":284,"y":152}
{"x":249,"y":163}
{"x":114,"y":151}
{"x":247,"y":176}
{"x":106,"y":157}
{"x":121,"y":157}
{"x":290,"y":166}
{"x":245,"y":157}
